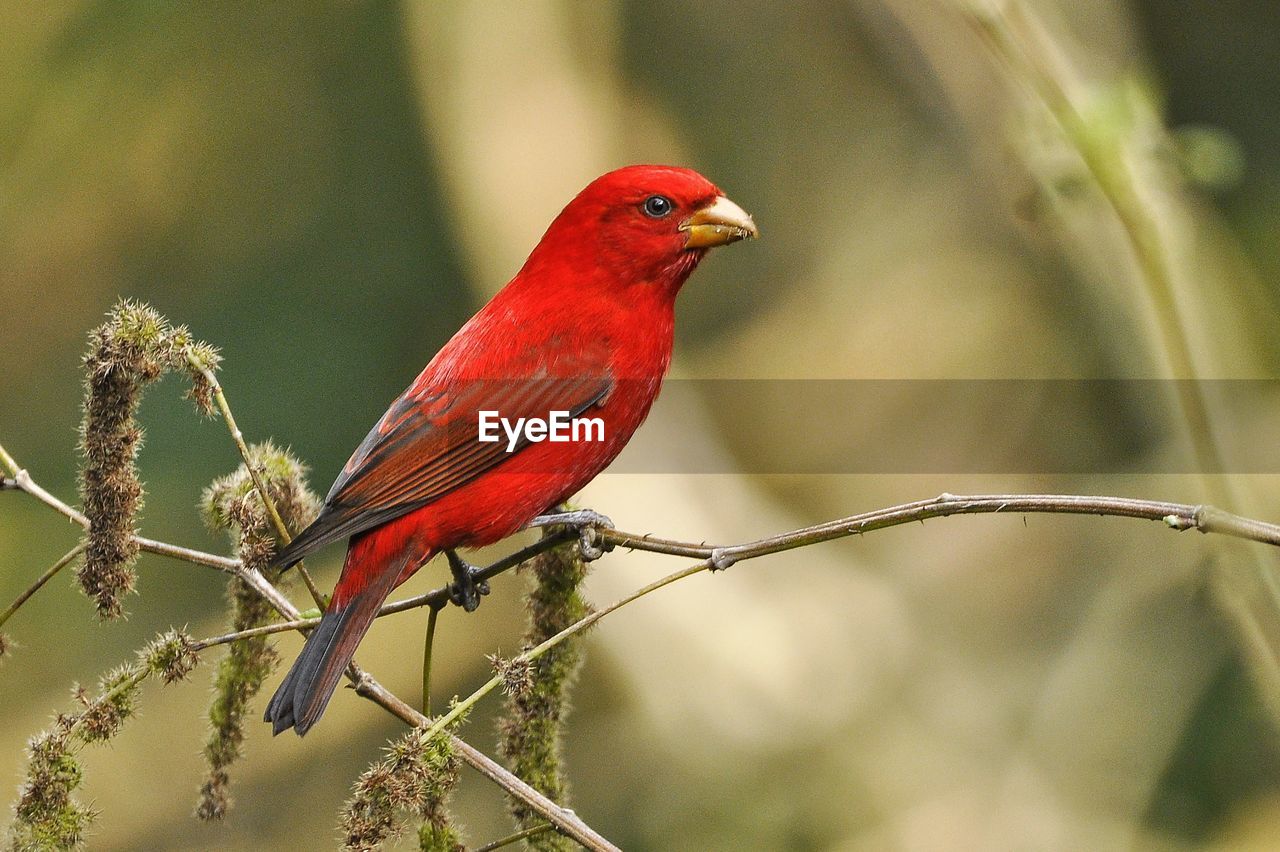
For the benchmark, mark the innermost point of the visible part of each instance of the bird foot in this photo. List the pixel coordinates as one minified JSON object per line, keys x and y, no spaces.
{"x":467,"y":586}
{"x":587,"y":522}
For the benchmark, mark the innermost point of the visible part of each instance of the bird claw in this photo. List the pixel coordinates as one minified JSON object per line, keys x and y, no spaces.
{"x":588,"y":523}
{"x":467,"y":586}
{"x":576,"y":518}
{"x":589,"y":545}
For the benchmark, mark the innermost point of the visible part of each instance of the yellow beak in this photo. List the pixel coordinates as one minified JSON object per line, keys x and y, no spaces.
{"x":719,"y":223}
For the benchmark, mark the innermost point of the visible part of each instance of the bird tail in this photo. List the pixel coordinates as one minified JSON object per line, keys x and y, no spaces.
{"x":310,"y":683}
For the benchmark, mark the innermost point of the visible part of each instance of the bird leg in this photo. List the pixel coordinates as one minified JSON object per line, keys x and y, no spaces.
{"x":466,"y":588}
{"x":586,"y":522}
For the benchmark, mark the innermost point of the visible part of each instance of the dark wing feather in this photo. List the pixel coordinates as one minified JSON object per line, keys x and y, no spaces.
{"x":426,"y":445}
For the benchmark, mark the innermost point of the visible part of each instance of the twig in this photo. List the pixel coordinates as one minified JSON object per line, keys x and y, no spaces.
{"x":48,"y":575}
{"x":282,"y":529}
{"x":523,"y":834}
{"x":26,"y":484}
{"x":119,"y":689}
{"x":565,"y":820}
{"x":440,"y":596}
{"x":187,"y":554}
{"x":250,"y":632}
{"x":578,"y":626}
{"x":1176,"y":516}
{"x":428,"y":646}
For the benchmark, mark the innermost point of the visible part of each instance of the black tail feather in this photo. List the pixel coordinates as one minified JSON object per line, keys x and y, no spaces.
{"x":304,"y":682}
{"x":310,"y":683}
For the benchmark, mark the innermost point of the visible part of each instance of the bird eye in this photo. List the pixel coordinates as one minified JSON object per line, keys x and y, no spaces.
{"x":657,"y":206}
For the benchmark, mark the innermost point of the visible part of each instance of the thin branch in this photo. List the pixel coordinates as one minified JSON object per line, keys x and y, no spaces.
{"x":300,"y":624}
{"x":27,"y":484}
{"x":440,"y":596}
{"x":1176,"y":516}
{"x":523,"y":834}
{"x":187,"y":554}
{"x":116,"y":691}
{"x":48,"y":575}
{"x":282,"y":529}
{"x":428,"y":647}
{"x":578,"y":626}
{"x":565,"y":820}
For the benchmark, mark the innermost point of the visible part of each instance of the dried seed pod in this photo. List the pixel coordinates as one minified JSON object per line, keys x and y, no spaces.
{"x":46,"y":816}
{"x":416,"y":776}
{"x":133,"y":348}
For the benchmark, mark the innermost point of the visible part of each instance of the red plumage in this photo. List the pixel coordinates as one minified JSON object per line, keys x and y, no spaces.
{"x":586,"y":327}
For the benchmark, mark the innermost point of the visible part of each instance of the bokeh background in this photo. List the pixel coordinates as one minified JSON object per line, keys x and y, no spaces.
{"x":326,"y":190}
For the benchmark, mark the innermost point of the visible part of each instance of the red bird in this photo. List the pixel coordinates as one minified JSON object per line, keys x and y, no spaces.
{"x":585,"y":327}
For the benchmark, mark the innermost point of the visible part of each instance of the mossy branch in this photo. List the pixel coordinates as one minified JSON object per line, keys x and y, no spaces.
{"x":235,"y":503}
{"x":537,"y":691}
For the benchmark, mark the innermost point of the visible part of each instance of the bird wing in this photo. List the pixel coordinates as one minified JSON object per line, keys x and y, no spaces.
{"x":427,"y":445}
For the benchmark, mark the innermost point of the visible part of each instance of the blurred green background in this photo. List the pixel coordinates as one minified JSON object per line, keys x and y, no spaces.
{"x":327,"y":190}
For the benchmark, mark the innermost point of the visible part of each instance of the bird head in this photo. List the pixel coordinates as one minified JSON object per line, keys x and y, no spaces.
{"x":642,"y":226}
